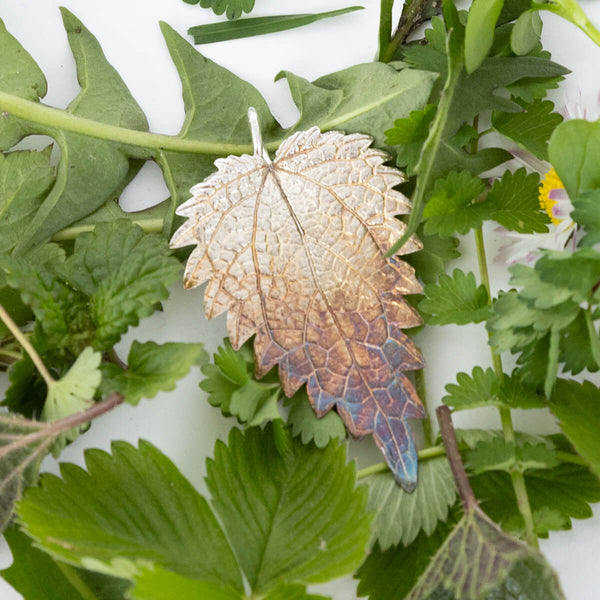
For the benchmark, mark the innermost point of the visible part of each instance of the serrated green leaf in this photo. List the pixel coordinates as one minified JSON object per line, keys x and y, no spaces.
{"x":576,"y":352}
{"x":151,"y":368}
{"x":401,"y":517}
{"x":499,"y":455}
{"x":577,"y":406}
{"x":305,"y":423}
{"x":85,"y":159}
{"x":25,"y":177}
{"x":430,"y":262}
{"x":526,"y":32}
{"x":515,"y":393}
{"x":454,"y":299}
{"x":309,"y":524}
{"x":234,"y":8}
{"x":36,"y":576}
{"x":538,"y":293}
{"x":478,"y":558}
{"x":293,"y":592}
{"x":516,"y":200}
{"x":453,"y":206}
{"x":85,"y":518}
{"x":479,"y":32}
{"x":244,"y":28}
{"x":472,"y":391}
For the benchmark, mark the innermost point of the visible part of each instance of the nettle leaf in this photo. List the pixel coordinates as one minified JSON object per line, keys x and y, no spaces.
{"x":151,"y":368}
{"x":36,"y":576}
{"x":401,"y":517}
{"x":478,"y":559}
{"x":84,"y":518}
{"x":455,"y":299}
{"x":308,"y":522}
{"x":481,"y":389}
{"x":516,"y":200}
{"x":85,"y":159}
{"x":327,"y":309}
{"x":453,"y":205}
{"x":577,"y":406}
{"x":25,"y":177}
{"x":530,"y":129}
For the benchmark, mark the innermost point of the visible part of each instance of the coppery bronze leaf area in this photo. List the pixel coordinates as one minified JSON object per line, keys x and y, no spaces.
{"x":294,"y":249}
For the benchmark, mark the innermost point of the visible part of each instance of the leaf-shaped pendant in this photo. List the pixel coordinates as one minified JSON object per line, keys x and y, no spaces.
{"x":295,"y":249}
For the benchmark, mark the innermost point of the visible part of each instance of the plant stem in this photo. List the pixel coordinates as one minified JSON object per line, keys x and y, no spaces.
{"x":426,"y":454}
{"x":22,"y":339}
{"x":421,"y":389}
{"x":11,"y":354}
{"x":54,"y":117}
{"x":71,"y":233}
{"x":572,"y":12}
{"x":75,"y":580}
{"x":458,"y":469}
{"x":516,"y":474}
{"x":385,"y":28}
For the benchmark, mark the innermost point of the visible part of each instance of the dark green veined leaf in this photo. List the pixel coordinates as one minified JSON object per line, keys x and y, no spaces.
{"x":151,"y":368}
{"x":479,"y":32}
{"x":308,"y":522}
{"x":454,"y":299}
{"x":36,"y":576}
{"x":401,"y":517}
{"x":243,"y":28}
{"x":526,"y":32}
{"x":430,"y":262}
{"x":577,"y":406}
{"x":587,"y":213}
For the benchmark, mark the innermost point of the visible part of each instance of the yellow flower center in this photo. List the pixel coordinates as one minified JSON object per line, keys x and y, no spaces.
{"x":550,"y":182}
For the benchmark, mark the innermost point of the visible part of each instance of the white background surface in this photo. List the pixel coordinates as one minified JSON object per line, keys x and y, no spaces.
{"x":182,"y":423}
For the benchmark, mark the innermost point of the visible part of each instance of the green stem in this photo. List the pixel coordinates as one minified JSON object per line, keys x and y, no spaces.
{"x":54,"y":117}
{"x":572,"y":12}
{"x":71,"y":233}
{"x":12,"y":354}
{"x":426,"y":454}
{"x":75,"y":580}
{"x":22,"y":339}
{"x":385,"y":28}
{"x":421,"y":389}
{"x":516,"y":474}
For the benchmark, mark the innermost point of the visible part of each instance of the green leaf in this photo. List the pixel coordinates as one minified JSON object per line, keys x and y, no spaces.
{"x":391,"y":574}
{"x":574,"y":152}
{"x":233,"y":30}
{"x":526,"y":33}
{"x":308,"y":523}
{"x":477,"y":557}
{"x":498,"y":455}
{"x":160,"y":584}
{"x":151,"y":368}
{"x":85,"y":518}
{"x":516,"y":198}
{"x":453,"y":205}
{"x":73,"y":392}
{"x":25,"y":177}
{"x":305,"y":423}
{"x":37,"y":576}
{"x":234,"y":8}
{"x":587,"y":213}
{"x":479,"y":32}
{"x":293,"y":592}
{"x":576,"y":352}
{"x":454,"y":299}
{"x":21,"y":76}
{"x":85,"y":159}
{"x":342,"y":101}
{"x":400,"y":517}
{"x":430,"y":262}
{"x":577,"y":407}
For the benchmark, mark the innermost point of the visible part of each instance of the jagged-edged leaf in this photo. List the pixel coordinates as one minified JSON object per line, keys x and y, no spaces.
{"x":21,"y":76}
{"x":453,"y":206}
{"x":499,"y":455}
{"x":530,"y":129}
{"x":36,"y":576}
{"x":219,"y":32}
{"x":25,"y":177}
{"x":478,"y":559}
{"x":85,"y":517}
{"x":151,"y":368}
{"x":234,"y":8}
{"x":308,"y":523}
{"x":293,"y":592}
{"x":577,"y":406}
{"x":455,"y":299}
{"x":401,"y":517}
{"x":516,"y":202}
{"x":295,"y":250}
{"x":83,"y":158}
{"x":430,"y":262}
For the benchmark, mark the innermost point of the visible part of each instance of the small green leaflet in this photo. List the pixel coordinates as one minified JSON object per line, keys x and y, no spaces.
{"x":479,"y":32}
{"x":292,"y":516}
{"x":430,"y":262}
{"x":37,"y":576}
{"x":234,"y":8}
{"x":526,"y":33}
{"x":587,"y":213}
{"x":577,"y":406}
{"x":151,"y":368}
{"x":401,"y":517}
{"x":499,"y":455}
{"x":455,"y":299}
{"x":243,"y":28}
